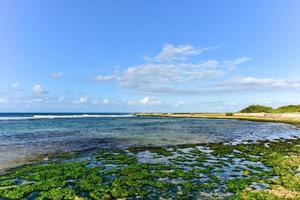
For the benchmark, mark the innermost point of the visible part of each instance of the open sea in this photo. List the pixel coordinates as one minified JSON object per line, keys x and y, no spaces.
{"x":25,"y":136}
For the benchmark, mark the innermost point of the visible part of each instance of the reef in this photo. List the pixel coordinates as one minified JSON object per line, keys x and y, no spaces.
{"x":253,"y":170}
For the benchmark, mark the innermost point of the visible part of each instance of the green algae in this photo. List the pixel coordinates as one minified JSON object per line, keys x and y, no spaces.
{"x":90,"y":181}
{"x":115,"y":157}
{"x":57,"y":193}
{"x":17,"y":192}
{"x":7,"y":183}
{"x":220,"y":149}
{"x":224,"y":170}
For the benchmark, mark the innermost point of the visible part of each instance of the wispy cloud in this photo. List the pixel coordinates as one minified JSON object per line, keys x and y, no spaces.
{"x":253,"y":83}
{"x":29,"y":100}
{"x":16,"y":86}
{"x":237,"y":85}
{"x":105,"y":101}
{"x":178,"y":103}
{"x":240,"y":85}
{"x":150,"y":101}
{"x":105,"y":78}
{"x":170,"y":72}
{"x":238,"y":61}
{"x":38,"y":89}
{"x":81,"y":100}
{"x":37,"y":100}
{"x":101,"y":102}
{"x":170,"y":77}
{"x":3,"y":100}
{"x":172,"y":52}
{"x":57,"y":75}
{"x":144,"y":101}
{"x":61,"y":99}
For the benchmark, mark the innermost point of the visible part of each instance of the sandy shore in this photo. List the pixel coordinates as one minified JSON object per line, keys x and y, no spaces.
{"x":289,"y":118}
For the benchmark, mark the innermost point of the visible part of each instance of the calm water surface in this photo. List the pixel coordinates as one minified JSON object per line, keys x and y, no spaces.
{"x":25,"y":136}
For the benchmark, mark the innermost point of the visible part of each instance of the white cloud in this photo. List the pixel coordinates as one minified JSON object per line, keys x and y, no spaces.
{"x":242,"y":84}
{"x":30,"y":100}
{"x":105,"y":78}
{"x":38,"y":89}
{"x":250,"y":85}
{"x":56,"y":75}
{"x":81,"y":100}
{"x":150,"y":101}
{"x":158,"y":74}
{"x":172,"y":77}
{"x":238,"y":61}
{"x":145,"y":101}
{"x":59,"y":100}
{"x":129,"y":102}
{"x":37,"y":100}
{"x":3,"y":100}
{"x":105,"y":101}
{"x":15,"y":86}
{"x":163,"y":76}
{"x":178,"y":103}
{"x":98,"y":101}
{"x":171,"y":52}
{"x":268,"y":83}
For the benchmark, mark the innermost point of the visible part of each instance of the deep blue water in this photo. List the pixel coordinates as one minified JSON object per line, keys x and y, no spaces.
{"x":26,"y":135}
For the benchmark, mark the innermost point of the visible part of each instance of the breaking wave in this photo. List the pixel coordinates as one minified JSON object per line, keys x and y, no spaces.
{"x":65,"y":116}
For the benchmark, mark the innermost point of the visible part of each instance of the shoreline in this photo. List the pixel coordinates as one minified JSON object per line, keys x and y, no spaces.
{"x":262,"y":169}
{"x":286,"y":118}
{"x":15,"y":161}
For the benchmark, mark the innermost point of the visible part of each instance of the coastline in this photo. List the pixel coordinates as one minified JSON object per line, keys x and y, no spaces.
{"x":288,"y":118}
{"x":264,"y":169}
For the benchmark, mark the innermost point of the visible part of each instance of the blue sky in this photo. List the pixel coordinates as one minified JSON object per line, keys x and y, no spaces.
{"x":129,"y":56}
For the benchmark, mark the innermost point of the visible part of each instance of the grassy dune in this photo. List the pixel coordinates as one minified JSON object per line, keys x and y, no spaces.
{"x":266,"y":109}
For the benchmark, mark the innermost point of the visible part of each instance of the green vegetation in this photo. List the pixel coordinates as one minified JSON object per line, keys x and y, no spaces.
{"x":191,"y":171}
{"x":257,"y":109}
{"x":266,"y":109}
{"x":288,"y":109}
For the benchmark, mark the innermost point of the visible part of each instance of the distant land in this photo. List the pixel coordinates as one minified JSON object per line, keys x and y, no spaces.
{"x":289,"y":114}
{"x":267,"y":109}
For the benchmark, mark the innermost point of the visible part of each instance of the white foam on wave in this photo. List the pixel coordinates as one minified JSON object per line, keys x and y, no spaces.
{"x":65,"y":116}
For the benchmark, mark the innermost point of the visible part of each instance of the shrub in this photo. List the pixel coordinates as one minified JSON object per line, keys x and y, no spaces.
{"x":288,"y":109}
{"x":266,"y":109}
{"x":257,"y":109}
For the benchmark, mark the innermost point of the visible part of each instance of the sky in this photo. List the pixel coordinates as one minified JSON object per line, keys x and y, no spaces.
{"x":148,"y":56}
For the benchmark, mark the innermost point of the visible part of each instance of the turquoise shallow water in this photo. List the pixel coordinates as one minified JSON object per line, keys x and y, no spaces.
{"x":25,"y":136}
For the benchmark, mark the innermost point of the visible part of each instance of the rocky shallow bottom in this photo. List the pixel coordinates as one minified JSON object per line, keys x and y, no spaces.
{"x":259,"y":170}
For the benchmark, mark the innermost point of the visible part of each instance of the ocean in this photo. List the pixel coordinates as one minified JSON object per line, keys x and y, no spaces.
{"x":25,"y":136}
